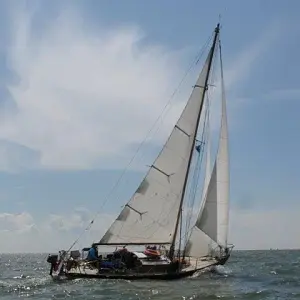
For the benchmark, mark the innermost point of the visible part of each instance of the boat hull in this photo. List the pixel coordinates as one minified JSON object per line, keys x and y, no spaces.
{"x":148,"y":276}
{"x":165,"y":276}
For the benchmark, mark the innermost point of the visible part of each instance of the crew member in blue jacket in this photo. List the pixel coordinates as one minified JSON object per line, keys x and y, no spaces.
{"x":92,"y":254}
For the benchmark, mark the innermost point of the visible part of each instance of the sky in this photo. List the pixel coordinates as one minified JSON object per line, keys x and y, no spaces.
{"x":82,"y":82}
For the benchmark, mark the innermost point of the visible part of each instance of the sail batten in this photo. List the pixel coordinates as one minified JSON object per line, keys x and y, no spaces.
{"x":151,"y":214}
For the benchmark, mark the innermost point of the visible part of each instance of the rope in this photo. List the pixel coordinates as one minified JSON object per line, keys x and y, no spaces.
{"x":196,"y":175}
{"x":194,"y":63}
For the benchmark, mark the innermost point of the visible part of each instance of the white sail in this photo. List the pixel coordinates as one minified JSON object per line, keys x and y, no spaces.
{"x":211,"y":228}
{"x":213,"y":219}
{"x":207,"y":167}
{"x":151,"y":214}
{"x":200,"y":244}
{"x":223,"y":174}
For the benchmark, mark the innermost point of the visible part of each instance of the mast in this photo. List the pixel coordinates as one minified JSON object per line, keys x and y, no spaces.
{"x":179,"y":216}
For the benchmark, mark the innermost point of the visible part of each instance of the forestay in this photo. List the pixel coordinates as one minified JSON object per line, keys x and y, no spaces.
{"x":150,"y":215}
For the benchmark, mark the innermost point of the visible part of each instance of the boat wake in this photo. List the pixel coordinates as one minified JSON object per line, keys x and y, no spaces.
{"x":200,"y":273}
{"x":59,"y":278}
{"x":221,"y":270}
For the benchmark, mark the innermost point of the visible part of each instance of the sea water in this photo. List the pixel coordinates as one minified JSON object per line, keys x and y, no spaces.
{"x":247,"y":275}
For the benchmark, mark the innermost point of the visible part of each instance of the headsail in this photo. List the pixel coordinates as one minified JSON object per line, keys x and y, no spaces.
{"x":151,"y":215}
{"x":223,"y":172}
{"x":211,"y":227}
{"x":199,"y":243}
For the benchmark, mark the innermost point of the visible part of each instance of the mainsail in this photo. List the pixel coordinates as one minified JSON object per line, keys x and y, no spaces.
{"x":151,"y":216}
{"x":211,"y":228}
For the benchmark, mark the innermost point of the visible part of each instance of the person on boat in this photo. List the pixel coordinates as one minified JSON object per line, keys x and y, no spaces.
{"x":92,"y":254}
{"x":151,"y":247}
{"x":93,"y":257}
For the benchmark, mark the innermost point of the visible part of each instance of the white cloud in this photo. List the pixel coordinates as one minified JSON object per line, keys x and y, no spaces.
{"x":82,"y":96}
{"x":22,"y":233}
{"x":85,"y":95}
{"x":18,"y":223}
{"x":78,"y":219}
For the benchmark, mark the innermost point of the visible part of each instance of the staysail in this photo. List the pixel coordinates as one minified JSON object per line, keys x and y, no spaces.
{"x":151,"y":215}
{"x":211,"y":228}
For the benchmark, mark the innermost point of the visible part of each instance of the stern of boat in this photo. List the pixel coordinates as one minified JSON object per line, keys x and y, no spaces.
{"x":57,"y":263}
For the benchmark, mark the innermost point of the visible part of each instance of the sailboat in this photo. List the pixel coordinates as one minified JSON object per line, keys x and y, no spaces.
{"x":153,"y":217}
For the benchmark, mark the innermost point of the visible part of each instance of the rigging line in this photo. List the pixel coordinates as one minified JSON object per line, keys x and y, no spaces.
{"x":195,"y":182}
{"x":195,"y":62}
{"x":194,"y":140}
{"x":190,"y":157}
{"x":196,"y":175}
{"x":200,"y":156}
{"x":207,"y":116}
{"x":212,"y":80}
{"x":213,"y":75}
{"x":167,"y":106}
{"x":193,"y":191}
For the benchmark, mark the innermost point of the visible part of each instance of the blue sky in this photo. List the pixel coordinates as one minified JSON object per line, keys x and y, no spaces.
{"x":76,"y":77}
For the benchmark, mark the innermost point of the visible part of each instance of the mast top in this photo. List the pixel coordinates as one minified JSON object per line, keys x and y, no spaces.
{"x":217,"y":29}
